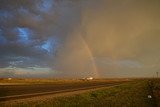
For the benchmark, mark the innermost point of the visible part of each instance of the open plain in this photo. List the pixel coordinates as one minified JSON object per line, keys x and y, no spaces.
{"x":75,"y":93}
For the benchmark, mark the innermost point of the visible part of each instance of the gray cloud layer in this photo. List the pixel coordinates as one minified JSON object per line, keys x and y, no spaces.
{"x":73,"y":38}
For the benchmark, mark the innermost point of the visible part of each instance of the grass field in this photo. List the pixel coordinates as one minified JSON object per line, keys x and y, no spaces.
{"x":133,"y":94}
{"x":23,"y":81}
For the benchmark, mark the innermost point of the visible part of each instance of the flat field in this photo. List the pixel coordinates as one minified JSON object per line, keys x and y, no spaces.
{"x":28,"y":81}
{"x":137,"y":93}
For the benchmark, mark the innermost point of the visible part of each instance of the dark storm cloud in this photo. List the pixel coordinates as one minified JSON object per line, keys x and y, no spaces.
{"x":34,"y":29}
{"x":80,"y":37}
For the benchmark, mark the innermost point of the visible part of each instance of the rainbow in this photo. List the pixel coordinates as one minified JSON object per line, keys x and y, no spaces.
{"x":88,"y":50}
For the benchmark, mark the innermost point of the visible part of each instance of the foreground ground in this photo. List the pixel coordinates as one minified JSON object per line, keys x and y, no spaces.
{"x":138,"y":93}
{"x":12,"y":90}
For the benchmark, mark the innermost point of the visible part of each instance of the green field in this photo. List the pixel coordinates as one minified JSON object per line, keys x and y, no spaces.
{"x":52,"y":81}
{"x":132,"y":94}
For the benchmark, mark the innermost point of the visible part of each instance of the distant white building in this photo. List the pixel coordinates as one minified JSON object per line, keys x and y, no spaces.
{"x":9,"y":78}
{"x":89,"y":78}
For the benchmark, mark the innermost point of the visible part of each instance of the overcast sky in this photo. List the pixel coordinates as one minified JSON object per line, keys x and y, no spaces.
{"x":79,"y":38}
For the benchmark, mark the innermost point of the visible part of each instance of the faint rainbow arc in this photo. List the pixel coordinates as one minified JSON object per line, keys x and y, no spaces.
{"x":95,"y":70}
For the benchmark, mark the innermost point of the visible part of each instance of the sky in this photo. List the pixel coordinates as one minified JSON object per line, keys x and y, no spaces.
{"x":79,"y":38}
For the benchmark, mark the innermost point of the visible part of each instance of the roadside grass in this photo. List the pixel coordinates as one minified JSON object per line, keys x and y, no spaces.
{"x":155,"y":91}
{"x":133,"y":94}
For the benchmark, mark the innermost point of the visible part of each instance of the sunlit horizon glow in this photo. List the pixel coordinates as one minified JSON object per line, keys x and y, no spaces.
{"x":81,"y":38}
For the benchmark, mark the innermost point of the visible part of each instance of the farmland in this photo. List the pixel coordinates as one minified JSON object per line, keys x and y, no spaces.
{"x":129,"y":94}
